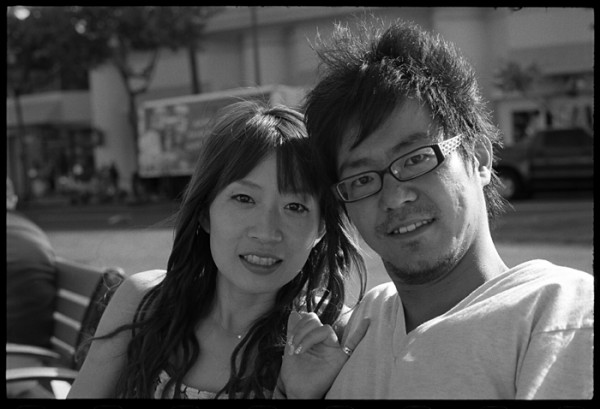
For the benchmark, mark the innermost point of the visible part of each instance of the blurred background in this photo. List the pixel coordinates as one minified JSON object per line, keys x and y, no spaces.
{"x":106,"y":108}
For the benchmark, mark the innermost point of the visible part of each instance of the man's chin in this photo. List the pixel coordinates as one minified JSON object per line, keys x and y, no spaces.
{"x":418,"y":273}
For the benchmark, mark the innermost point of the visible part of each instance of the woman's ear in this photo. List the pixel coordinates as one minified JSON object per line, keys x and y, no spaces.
{"x":204,"y":222}
{"x":484,"y":157}
{"x":321,"y":233}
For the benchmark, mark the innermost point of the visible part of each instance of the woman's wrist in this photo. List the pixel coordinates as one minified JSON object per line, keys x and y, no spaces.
{"x":279,"y":392}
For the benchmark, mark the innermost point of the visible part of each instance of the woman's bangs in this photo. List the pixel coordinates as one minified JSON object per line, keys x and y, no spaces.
{"x":296,"y":172}
{"x":242,"y":160}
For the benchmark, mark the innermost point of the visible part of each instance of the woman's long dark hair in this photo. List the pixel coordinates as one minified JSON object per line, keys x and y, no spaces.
{"x":245,"y":133}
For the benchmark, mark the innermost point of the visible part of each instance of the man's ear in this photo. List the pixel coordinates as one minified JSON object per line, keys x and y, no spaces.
{"x":483,"y":160}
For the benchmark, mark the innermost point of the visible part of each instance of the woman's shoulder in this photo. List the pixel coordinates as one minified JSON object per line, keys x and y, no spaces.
{"x":145,"y":280}
{"x":131,"y":292}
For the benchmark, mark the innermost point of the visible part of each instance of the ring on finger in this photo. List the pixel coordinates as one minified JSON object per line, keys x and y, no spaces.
{"x":347,"y":351}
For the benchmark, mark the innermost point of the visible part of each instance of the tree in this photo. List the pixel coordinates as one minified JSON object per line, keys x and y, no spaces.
{"x":511,"y":77}
{"x":34,"y":63}
{"x":82,"y":38}
{"x":530,"y":83}
{"x":125,"y":31}
{"x":186,"y":26}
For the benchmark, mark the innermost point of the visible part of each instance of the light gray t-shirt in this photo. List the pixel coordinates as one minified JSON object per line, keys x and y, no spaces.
{"x":526,"y":334}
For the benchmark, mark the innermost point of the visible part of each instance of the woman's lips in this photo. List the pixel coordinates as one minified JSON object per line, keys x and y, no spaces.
{"x":260,"y":261}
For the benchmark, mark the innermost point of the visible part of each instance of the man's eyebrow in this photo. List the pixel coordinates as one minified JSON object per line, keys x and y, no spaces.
{"x":399,"y":147}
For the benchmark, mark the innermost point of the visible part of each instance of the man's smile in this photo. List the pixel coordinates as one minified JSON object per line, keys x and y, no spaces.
{"x":410,"y":227}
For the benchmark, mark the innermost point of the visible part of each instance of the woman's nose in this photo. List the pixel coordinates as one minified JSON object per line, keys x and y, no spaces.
{"x":267,"y":226}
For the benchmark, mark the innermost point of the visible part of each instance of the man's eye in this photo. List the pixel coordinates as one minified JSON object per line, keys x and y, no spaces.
{"x":417,"y":159}
{"x":242,"y":198}
{"x":362,"y":180}
{"x":297,"y":208}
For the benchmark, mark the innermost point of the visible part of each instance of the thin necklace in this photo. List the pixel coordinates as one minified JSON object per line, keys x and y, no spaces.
{"x":233,"y":334}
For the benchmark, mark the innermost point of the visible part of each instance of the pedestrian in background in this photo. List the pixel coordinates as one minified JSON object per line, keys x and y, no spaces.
{"x":259,"y":234}
{"x":30,"y":289}
{"x":399,"y":119}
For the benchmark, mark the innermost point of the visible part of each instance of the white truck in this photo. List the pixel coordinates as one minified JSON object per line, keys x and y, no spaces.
{"x":171,"y":129}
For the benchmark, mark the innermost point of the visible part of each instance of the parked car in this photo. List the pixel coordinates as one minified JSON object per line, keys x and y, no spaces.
{"x":547,"y":160}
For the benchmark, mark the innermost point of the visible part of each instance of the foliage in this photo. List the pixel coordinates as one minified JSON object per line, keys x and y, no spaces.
{"x":59,"y":43}
{"x":34,"y":62}
{"x":124,"y":31}
{"x":85,"y":36}
{"x":512,"y":77}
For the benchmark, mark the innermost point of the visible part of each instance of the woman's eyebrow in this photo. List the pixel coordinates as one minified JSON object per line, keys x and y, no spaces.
{"x":247,"y":183}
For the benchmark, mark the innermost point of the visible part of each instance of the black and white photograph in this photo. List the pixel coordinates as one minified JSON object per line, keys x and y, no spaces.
{"x":333,"y":205}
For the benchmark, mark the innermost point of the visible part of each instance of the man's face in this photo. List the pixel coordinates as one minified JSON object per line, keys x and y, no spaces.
{"x":423,"y":227}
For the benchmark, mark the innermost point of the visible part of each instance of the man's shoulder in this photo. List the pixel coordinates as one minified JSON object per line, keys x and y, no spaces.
{"x":386,"y":288}
{"x":548,"y":273}
{"x":381,"y":294}
{"x":556,"y":291}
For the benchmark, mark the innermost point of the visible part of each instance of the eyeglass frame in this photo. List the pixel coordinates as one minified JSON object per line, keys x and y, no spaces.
{"x":441,"y":149}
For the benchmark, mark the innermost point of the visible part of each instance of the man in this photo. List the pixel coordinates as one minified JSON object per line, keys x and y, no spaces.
{"x":30,"y":290}
{"x":398,"y":116}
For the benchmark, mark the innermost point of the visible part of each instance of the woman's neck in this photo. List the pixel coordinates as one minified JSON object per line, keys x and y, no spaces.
{"x":235,"y":311}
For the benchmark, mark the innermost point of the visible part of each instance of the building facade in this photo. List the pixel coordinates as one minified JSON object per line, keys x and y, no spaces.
{"x":249,"y":47}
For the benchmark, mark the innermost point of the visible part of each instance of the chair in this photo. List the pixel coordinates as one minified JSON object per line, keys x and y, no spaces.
{"x":83,"y":292}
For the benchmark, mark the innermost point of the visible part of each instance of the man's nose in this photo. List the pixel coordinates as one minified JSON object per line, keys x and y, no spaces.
{"x":395,"y":193}
{"x":267,"y":226}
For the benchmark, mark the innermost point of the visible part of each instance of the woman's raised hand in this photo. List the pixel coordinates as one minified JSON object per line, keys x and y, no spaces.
{"x":313,"y":356}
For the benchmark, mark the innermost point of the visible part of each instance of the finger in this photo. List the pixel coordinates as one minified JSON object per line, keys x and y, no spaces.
{"x":308,"y":323}
{"x":293,"y":320}
{"x":357,"y":335}
{"x":322,"y":334}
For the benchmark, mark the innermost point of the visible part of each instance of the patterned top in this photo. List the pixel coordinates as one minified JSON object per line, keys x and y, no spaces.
{"x":188,"y":391}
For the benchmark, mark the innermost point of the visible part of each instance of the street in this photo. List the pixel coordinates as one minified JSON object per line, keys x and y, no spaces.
{"x":140,"y":237}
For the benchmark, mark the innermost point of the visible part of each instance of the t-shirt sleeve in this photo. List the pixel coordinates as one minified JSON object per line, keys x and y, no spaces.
{"x":558,"y":365}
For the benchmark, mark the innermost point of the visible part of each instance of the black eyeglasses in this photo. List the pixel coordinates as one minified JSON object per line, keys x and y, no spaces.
{"x":407,"y":167}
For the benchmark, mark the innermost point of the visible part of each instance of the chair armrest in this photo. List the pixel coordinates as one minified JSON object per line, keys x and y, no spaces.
{"x":40,"y":373}
{"x":31,"y":350}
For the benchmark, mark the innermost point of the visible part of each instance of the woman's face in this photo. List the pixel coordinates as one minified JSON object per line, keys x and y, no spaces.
{"x":260,"y":238}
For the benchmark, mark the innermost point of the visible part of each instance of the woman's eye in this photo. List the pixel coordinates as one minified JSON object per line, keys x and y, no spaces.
{"x":242,"y":198}
{"x":297,"y":207}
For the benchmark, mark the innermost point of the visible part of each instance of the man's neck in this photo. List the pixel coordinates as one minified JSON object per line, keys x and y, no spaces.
{"x":424,"y":302}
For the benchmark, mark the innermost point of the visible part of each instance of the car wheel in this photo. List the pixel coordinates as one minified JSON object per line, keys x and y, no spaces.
{"x":511,"y":186}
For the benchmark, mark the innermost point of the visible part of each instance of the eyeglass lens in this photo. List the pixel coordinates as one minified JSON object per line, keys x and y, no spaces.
{"x":404,"y":168}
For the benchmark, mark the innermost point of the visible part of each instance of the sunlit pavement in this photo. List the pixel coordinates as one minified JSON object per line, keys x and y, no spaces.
{"x":139,"y":238}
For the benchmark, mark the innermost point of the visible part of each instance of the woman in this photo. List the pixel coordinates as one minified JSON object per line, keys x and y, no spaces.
{"x":258,"y":235}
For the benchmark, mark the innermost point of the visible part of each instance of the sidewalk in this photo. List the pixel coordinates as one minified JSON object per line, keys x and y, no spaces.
{"x":137,"y":250}
{"x":61,"y":215}
{"x":139,"y":237}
